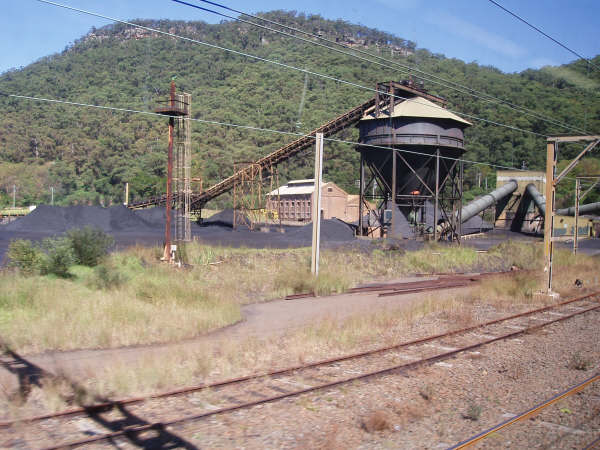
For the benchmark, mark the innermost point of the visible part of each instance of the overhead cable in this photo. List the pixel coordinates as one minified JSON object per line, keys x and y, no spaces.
{"x":284,"y":65}
{"x":444,"y":82}
{"x":544,"y":34}
{"x":244,"y":127}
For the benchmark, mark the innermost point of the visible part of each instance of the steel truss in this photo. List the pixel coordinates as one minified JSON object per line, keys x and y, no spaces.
{"x":249,"y":201}
{"x":446,"y":195}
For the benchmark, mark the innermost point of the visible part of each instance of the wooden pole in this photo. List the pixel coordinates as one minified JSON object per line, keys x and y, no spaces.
{"x":316,"y":206}
{"x":551,"y":148}
{"x":577,"y":196}
{"x":392,"y":232}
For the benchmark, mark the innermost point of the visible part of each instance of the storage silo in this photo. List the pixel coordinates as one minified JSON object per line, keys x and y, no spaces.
{"x":411,"y":144}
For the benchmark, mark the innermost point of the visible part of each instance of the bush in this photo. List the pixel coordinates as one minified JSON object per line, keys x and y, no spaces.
{"x":106,"y":277}
{"x":89,"y":245}
{"x":25,"y":256}
{"x":58,"y":258}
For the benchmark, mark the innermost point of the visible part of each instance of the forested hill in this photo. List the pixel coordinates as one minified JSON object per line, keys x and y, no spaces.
{"x":87,"y":155}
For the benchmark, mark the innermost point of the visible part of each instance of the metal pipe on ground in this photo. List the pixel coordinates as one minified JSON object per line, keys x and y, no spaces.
{"x":540,"y":202}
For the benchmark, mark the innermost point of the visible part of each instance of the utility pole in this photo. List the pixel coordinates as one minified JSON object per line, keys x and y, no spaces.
{"x":576,"y":231}
{"x":552,"y":181}
{"x":14,"y":195}
{"x":126,"y":193}
{"x":316,"y":206}
{"x":52,"y":195}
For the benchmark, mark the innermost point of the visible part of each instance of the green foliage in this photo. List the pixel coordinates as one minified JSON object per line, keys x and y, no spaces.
{"x":59,"y":256}
{"x":25,"y":256}
{"x":54,"y":256}
{"x":106,"y":276}
{"x":473,"y":412}
{"x":89,"y":245}
{"x":87,"y":155}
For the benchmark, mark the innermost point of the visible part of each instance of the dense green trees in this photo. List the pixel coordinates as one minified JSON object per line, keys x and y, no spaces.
{"x":88,"y":154}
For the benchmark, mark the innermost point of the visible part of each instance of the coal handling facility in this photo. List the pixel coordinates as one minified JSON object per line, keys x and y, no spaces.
{"x":411,"y":174}
{"x":411,"y":187}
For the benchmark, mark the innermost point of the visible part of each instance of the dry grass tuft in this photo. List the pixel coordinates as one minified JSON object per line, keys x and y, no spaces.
{"x":580,"y":362}
{"x":427,"y":392}
{"x":473,"y":412}
{"x":377,"y":421}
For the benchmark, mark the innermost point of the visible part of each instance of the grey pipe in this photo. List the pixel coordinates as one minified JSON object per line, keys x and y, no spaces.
{"x":583,"y":209}
{"x":538,"y":199}
{"x":478,"y":205}
{"x":540,"y":202}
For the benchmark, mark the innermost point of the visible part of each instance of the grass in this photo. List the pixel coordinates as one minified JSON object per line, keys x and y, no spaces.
{"x":220,"y":359}
{"x":131,"y":298}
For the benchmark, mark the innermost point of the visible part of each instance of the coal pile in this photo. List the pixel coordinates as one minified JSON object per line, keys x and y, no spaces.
{"x":222,"y":219}
{"x":331,"y":230}
{"x":155,"y":217}
{"x":56,"y":219}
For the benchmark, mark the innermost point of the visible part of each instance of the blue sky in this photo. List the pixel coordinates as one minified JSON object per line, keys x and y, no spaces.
{"x":471,"y":30}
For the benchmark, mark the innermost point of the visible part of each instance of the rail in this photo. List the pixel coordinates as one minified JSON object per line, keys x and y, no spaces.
{"x":257,"y":389}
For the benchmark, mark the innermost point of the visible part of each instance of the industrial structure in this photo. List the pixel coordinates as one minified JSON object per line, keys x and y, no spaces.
{"x":293,"y":202}
{"x":411,"y":145}
{"x":410,"y":149}
{"x":178,"y":109}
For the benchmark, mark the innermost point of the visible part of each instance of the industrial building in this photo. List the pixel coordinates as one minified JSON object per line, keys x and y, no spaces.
{"x":411,"y":150}
{"x":293,"y":201}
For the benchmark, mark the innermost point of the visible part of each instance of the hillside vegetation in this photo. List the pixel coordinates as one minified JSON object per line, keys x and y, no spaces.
{"x":87,"y":155}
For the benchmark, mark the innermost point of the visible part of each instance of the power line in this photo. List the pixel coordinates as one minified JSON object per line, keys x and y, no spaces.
{"x":543,"y":33}
{"x":465,"y":89}
{"x":244,"y":127}
{"x":284,"y":65}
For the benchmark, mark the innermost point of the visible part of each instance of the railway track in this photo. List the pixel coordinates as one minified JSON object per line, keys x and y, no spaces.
{"x":143,"y":420}
{"x":528,"y":414}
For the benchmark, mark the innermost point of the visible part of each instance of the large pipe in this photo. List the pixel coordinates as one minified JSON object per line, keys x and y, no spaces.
{"x":538,"y":199}
{"x":540,"y":202}
{"x":476,"y":206}
{"x":583,"y":209}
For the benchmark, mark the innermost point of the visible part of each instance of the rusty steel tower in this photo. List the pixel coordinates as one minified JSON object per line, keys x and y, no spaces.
{"x":177,"y":108}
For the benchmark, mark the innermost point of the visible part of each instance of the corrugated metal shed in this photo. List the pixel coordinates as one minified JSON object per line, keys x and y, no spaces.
{"x":417,"y":107}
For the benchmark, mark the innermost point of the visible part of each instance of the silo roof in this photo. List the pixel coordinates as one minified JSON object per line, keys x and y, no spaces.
{"x":417,"y":107}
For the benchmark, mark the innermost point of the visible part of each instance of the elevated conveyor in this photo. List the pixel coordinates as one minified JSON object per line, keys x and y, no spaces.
{"x":283,"y":153}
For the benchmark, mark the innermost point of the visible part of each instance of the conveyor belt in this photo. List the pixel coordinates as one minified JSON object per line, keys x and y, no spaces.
{"x":283,"y":153}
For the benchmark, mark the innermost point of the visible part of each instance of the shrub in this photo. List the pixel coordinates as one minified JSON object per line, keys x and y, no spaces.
{"x":473,"y":412}
{"x":106,"y":277}
{"x":89,"y":245}
{"x":59,"y":257}
{"x":25,"y":256}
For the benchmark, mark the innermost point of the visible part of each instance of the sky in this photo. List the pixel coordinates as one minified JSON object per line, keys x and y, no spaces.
{"x":470,"y":30}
